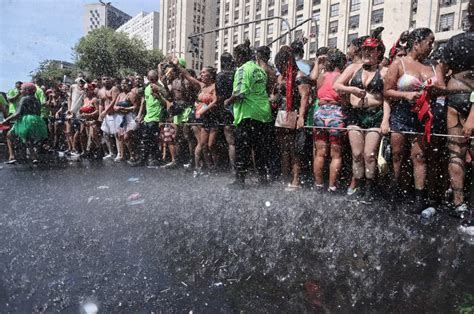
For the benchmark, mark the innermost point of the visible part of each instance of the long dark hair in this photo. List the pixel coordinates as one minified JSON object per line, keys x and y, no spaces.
{"x":417,"y":35}
{"x":336,"y":59}
{"x":283,"y":58}
{"x":212,"y":72}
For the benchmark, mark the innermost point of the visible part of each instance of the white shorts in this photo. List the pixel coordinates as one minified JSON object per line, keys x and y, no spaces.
{"x":111,"y":124}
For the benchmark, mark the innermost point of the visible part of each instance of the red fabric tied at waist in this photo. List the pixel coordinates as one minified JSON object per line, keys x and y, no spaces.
{"x":423,"y":109}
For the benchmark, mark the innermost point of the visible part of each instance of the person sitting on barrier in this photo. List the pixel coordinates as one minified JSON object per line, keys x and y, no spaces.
{"x":291,"y":93}
{"x":364,"y":83}
{"x":29,"y":126}
{"x":328,"y":118}
{"x":406,"y":80}
{"x":457,"y":56}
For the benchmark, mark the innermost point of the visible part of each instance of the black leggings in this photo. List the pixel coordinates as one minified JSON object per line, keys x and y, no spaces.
{"x":251,"y":135}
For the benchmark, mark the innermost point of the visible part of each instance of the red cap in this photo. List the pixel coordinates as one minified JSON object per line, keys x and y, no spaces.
{"x":372,"y":42}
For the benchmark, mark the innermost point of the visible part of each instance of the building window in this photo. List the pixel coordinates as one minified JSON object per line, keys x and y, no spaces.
{"x":270,"y":13}
{"x":351,"y":37}
{"x":270,"y":29}
{"x":258,"y":16}
{"x":332,"y":42}
{"x":247,"y":10}
{"x":446,"y":3}
{"x":413,"y":24}
{"x":334,"y":10}
{"x":299,"y":19}
{"x":446,"y":22}
{"x":246,"y":35}
{"x":377,"y":16}
{"x":316,"y":15}
{"x":316,"y":2}
{"x":333,"y":27}
{"x":236,"y":15}
{"x":283,"y":41}
{"x":354,"y":21}
{"x":258,"y":5}
{"x":269,"y":40}
{"x":284,"y":9}
{"x":257,"y":43}
{"x":465,"y":21}
{"x":257,"y":32}
{"x":271,"y":3}
{"x":312,"y":48}
{"x":299,"y":5}
{"x":355,"y":5}
{"x":377,"y":2}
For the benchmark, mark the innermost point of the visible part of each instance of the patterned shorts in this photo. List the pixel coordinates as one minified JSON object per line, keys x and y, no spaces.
{"x":329,"y":116}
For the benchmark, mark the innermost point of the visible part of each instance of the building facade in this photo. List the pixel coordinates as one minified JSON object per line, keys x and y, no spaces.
{"x":144,"y":26}
{"x":338,"y":21}
{"x":181,"y":18}
{"x":103,"y":14}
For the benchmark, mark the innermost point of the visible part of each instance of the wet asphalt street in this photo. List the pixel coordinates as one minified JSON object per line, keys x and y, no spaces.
{"x":68,"y":236}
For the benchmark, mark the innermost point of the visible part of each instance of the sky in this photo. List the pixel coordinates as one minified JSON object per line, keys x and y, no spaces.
{"x":35,"y":30}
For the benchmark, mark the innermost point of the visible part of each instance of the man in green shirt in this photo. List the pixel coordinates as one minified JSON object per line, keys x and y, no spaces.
{"x":13,"y":96}
{"x":252,"y":115}
{"x":39,"y":94}
{"x":151,"y":112}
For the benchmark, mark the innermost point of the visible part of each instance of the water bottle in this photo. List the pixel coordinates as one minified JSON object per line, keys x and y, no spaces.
{"x":427,"y":215}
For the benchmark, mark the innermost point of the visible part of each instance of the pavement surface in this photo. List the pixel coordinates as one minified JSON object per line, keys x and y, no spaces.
{"x":142,"y":240}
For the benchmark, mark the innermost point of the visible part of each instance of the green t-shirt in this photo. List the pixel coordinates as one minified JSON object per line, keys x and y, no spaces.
{"x":12,"y":104}
{"x":39,"y":94}
{"x":250,"y":82}
{"x":153,"y":107}
{"x":183,"y":117}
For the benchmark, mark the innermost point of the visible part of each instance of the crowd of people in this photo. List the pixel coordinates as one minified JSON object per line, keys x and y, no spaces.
{"x":283,"y":119}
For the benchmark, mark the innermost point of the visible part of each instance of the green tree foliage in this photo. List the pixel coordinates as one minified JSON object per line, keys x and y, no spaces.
{"x":106,"y":52}
{"x":51,"y":73}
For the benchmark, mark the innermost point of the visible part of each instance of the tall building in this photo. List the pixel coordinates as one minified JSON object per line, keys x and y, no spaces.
{"x":103,"y":14}
{"x":144,"y":26}
{"x":338,"y":21}
{"x":181,"y":18}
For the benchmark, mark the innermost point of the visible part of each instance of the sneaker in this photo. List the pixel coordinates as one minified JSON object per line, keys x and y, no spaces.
{"x":118,"y":159}
{"x":108,"y":156}
{"x":197,"y":173}
{"x":10,"y":162}
{"x":187,"y":166}
{"x":332,"y":189}
{"x":368,"y":197}
{"x":460,"y":211}
{"x":351,"y":191}
{"x":169,"y":165}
